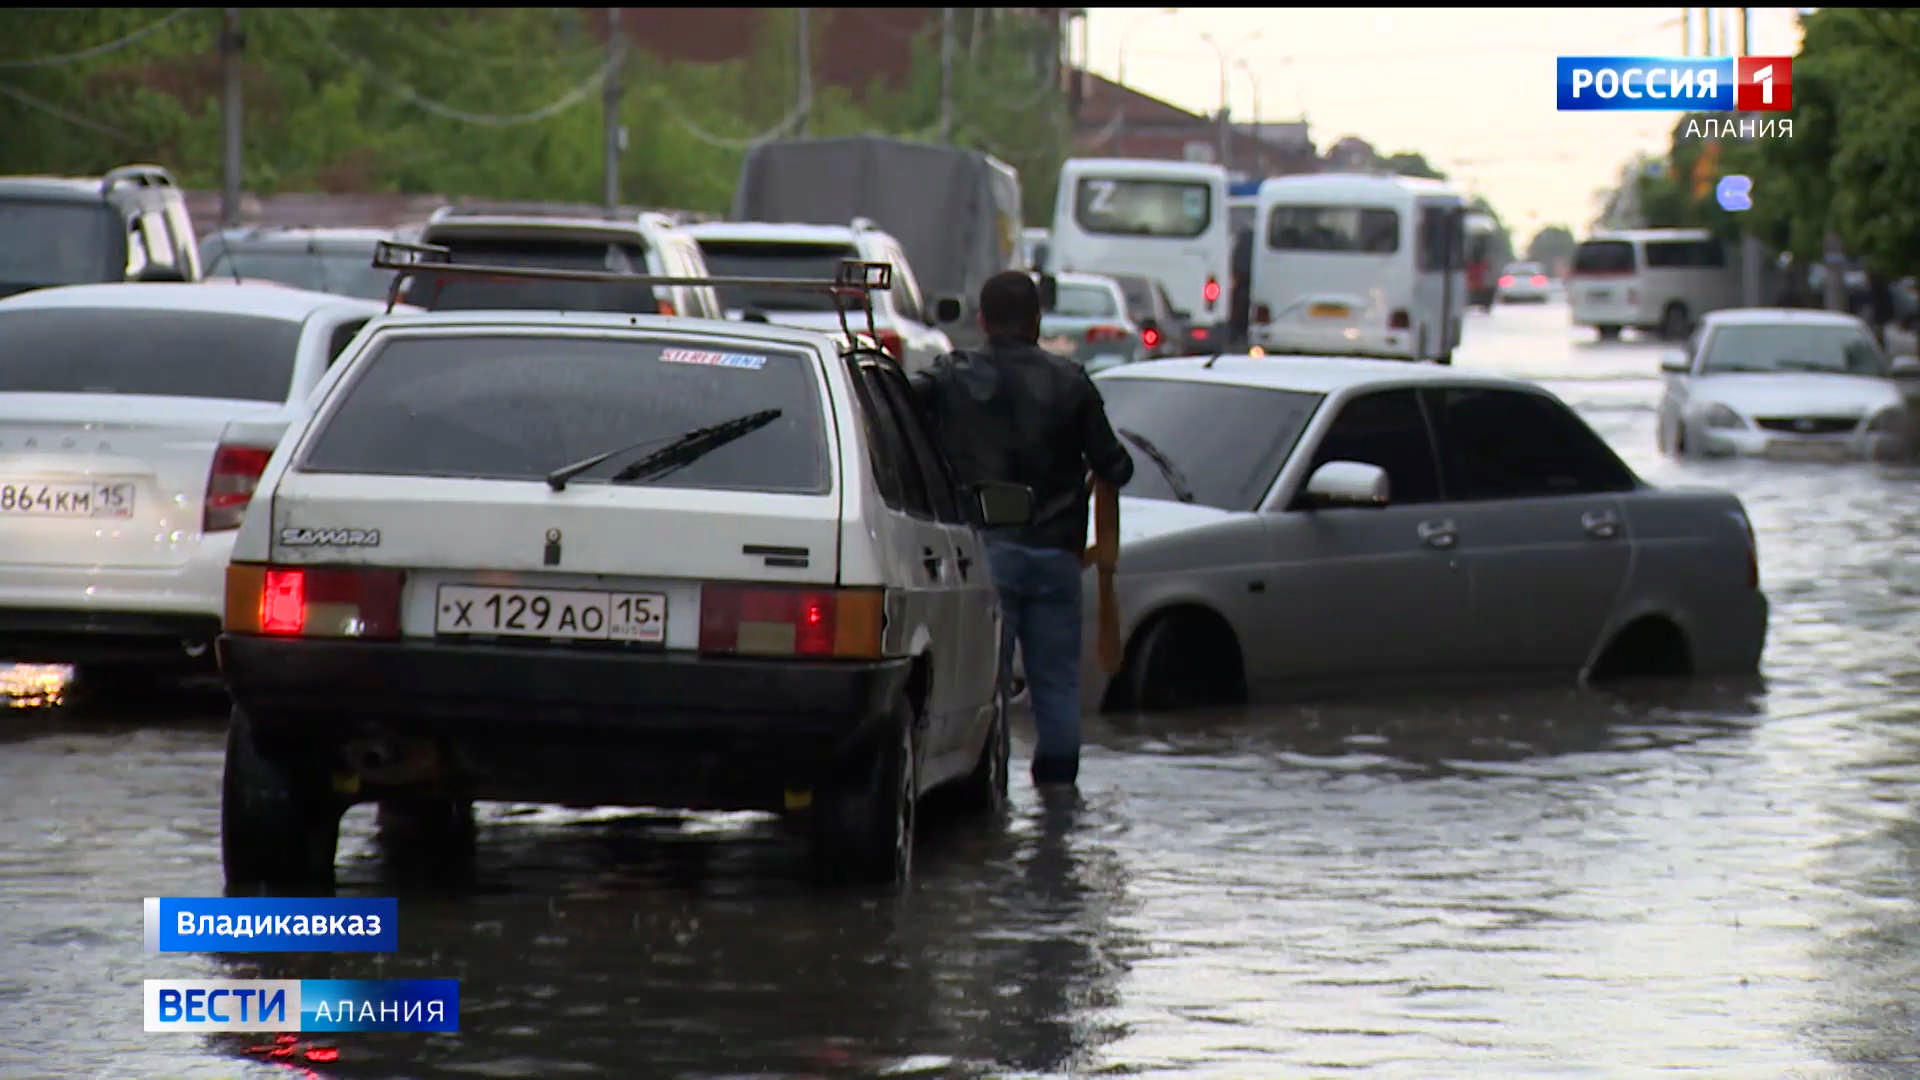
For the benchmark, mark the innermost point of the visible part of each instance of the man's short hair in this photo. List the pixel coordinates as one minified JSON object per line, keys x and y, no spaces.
{"x":1009,"y":300}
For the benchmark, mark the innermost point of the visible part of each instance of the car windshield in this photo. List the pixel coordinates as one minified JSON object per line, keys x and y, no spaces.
{"x":1084,"y":302}
{"x":1603,"y":257}
{"x":1165,"y":209}
{"x":482,"y":294}
{"x":47,"y":242}
{"x":518,"y":406}
{"x":768,"y":259}
{"x":1838,"y":350}
{"x":1227,"y":441}
{"x":342,"y":271}
{"x":1523,"y":270}
{"x":148,"y":352}
{"x":1346,"y":229}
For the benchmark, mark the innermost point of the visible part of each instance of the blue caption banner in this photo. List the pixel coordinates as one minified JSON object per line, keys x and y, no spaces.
{"x":302,"y":1005}
{"x":1644,"y":84}
{"x":272,"y":924}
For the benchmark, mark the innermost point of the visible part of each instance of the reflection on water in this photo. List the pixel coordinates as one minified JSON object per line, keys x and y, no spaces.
{"x":1718,"y":879}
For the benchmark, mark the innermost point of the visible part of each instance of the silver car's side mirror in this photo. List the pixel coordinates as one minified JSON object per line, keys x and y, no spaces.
{"x":1004,"y":506}
{"x":1675,"y":362}
{"x":1346,"y":483}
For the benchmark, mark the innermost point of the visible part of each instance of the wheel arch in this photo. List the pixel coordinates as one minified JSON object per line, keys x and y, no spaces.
{"x":1217,"y":628}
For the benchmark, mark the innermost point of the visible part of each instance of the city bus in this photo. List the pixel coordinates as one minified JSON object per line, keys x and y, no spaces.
{"x":1166,"y":220}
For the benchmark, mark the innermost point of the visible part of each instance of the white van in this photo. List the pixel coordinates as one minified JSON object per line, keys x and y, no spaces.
{"x":1349,"y":265}
{"x":1657,"y":280}
{"x":1165,"y":220}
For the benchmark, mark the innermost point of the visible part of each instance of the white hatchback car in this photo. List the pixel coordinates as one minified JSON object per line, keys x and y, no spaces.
{"x":905,"y":320}
{"x":608,"y":559}
{"x":134,"y":421}
{"x":1785,"y":384}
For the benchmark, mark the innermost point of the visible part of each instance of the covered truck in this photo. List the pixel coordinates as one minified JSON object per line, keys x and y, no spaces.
{"x":955,"y":211}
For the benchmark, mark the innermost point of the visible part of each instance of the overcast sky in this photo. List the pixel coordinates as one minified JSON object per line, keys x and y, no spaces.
{"x":1471,"y":88}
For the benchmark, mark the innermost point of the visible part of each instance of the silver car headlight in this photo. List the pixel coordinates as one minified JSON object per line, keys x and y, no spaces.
{"x":1717,"y":415}
{"x":1893,"y":420}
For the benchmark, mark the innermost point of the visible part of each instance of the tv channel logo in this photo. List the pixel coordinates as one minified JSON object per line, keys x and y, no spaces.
{"x":1674,"y":84}
{"x":1734,"y":193}
{"x":303,"y":1005}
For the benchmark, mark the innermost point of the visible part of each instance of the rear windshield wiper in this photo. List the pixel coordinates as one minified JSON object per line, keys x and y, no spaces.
{"x":1168,"y":470}
{"x":682,"y":450}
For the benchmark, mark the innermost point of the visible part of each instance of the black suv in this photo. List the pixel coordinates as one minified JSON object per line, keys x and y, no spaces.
{"x":129,"y":225}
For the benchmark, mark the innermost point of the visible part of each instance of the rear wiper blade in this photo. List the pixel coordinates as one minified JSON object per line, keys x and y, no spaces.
{"x":1171,"y":472}
{"x":683,"y":449}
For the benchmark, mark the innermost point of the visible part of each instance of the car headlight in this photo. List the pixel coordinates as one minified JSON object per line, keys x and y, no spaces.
{"x":1893,"y":420}
{"x":1721,"y":416}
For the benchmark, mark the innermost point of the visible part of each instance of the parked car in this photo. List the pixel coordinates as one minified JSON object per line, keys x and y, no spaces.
{"x":129,"y":225}
{"x":1523,"y":283}
{"x":649,"y":243}
{"x":338,"y":261}
{"x":608,"y":559}
{"x":1088,"y":322}
{"x":1783,"y":383}
{"x":134,"y":421}
{"x":1163,"y":331}
{"x":905,"y":322}
{"x":1305,"y":525}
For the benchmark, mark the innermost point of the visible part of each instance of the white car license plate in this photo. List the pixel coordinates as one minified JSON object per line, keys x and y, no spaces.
{"x":575,"y":615}
{"x":1598,"y":296}
{"x":1787,"y":450}
{"x":99,"y":499}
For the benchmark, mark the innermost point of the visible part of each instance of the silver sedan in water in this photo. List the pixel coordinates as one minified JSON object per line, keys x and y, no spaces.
{"x":1306,"y":524}
{"x":1784,"y":384}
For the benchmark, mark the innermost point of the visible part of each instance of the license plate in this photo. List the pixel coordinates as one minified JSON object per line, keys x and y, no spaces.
{"x":111,"y":499}
{"x":1782,"y":450}
{"x":574,"y":615}
{"x":1327,"y":311}
{"x":1598,"y":296}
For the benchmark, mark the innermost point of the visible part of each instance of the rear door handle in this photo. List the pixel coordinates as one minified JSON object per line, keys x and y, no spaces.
{"x":1437,"y":534}
{"x":964,"y":562}
{"x":931,"y":561}
{"x":1601,"y":524}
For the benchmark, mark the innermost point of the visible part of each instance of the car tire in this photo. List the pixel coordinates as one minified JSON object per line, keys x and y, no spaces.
{"x":1608,"y":333}
{"x":984,"y":791}
{"x":1165,"y":675}
{"x":1675,"y":322}
{"x":279,"y":821}
{"x":863,"y":823}
{"x":434,"y":829}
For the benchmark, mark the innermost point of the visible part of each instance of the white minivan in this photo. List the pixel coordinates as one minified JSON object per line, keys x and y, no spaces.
{"x":1349,"y":265}
{"x":1166,"y":220}
{"x":1660,"y":281}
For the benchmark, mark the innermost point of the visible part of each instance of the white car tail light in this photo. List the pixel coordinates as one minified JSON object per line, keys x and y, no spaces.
{"x":230,"y":484}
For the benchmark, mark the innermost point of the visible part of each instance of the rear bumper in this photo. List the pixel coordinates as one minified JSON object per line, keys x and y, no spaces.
{"x":67,"y":636}
{"x":108,"y":614}
{"x":1332,"y":339}
{"x":556,"y":725}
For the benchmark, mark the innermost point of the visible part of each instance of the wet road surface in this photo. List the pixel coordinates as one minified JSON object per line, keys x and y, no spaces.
{"x":1707,"y":880}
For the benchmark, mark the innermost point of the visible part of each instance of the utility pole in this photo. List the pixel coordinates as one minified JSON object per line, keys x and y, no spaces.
{"x":946,"y":76}
{"x":802,"y":18}
{"x":1686,"y":31}
{"x":232,"y":47}
{"x":613,"y":93}
{"x":1746,"y":32}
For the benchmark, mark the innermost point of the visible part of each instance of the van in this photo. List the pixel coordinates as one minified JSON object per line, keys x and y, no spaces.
{"x":1659,"y":281}
{"x":1166,"y":220}
{"x":1350,"y":265}
{"x":130,"y":225}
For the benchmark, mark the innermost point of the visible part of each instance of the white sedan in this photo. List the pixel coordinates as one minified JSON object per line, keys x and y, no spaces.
{"x":1523,"y":283}
{"x":1778,"y":383}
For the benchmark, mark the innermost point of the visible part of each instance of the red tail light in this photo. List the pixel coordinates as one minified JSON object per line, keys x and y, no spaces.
{"x":1538,"y":279}
{"x":1149,"y":337}
{"x":236,"y":472}
{"x":667,"y":308}
{"x":1098,"y":334}
{"x":1262,"y":313}
{"x":1200,"y":333}
{"x":893,"y":345}
{"x":1400,"y":321}
{"x":1506,"y":281}
{"x":826,"y":623}
{"x":308,"y":601}
{"x":1211,"y":294}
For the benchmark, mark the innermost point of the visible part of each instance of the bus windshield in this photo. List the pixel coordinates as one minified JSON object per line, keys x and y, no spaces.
{"x":1163,"y":209}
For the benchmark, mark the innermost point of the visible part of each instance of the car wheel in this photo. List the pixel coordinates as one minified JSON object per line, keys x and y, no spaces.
{"x":1445,"y":359}
{"x":984,"y":791}
{"x":1674,"y":322}
{"x":279,"y":822}
{"x":1608,"y":333}
{"x":1169,"y":672}
{"x":435,"y":830}
{"x":863,"y":827}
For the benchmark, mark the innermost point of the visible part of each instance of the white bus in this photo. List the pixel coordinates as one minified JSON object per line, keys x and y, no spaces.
{"x":1359,"y":266}
{"x":1659,"y":281}
{"x":1165,"y":220}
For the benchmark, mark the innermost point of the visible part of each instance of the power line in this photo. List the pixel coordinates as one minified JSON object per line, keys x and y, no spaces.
{"x":97,"y":50}
{"x":778,"y":130}
{"x":57,"y":112}
{"x":413,"y":97}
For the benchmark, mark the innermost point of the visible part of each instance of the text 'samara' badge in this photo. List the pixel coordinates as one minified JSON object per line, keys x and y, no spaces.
{"x":293,"y":537}
{"x":553,"y":547}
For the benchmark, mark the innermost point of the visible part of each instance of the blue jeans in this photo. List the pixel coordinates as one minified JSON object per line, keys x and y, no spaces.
{"x":1040,"y":608}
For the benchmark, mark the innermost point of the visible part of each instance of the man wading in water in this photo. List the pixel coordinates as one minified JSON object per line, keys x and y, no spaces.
{"x":1017,"y":414}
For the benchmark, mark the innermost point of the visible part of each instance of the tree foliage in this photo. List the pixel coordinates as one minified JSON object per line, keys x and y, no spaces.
{"x":1551,"y":245}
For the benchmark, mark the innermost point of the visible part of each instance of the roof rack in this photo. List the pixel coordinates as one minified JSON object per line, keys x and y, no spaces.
{"x":141,"y":175}
{"x":856,"y":278}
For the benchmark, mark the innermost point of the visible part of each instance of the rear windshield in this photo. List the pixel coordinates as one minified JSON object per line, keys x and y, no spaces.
{"x":1228,"y":442}
{"x":470,"y":294}
{"x":1364,"y":230}
{"x":1169,"y":209}
{"x":342,"y":272}
{"x":1139,"y":294}
{"x":1603,"y":257}
{"x":517,"y":407}
{"x":1085,"y":302}
{"x":47,"y":242}
{"x":760,"y":259}
{"x":154,"y":353}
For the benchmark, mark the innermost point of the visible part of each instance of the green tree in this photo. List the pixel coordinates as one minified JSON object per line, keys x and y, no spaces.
{"x":1409,"y":163}
{"x":1551,"y":245}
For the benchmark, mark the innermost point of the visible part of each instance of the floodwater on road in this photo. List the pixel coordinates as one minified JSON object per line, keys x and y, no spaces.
{"x":1711,"y":880}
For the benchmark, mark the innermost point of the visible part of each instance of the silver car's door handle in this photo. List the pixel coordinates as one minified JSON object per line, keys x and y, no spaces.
{"x":1437,"y":534}
{"x":1600,"y":524}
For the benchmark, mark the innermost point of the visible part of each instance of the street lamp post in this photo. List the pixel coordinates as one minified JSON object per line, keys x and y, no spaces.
{"x":1120,"y":66}
{"x":1226,"y":130}
{"x":1259,"y":135}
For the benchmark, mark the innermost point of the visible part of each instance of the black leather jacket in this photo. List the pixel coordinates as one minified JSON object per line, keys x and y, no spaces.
{"x":1018,"y":414}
